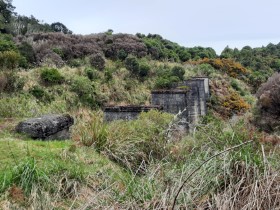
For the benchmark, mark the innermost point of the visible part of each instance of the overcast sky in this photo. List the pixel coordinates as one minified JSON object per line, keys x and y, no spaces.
{"x":207,"y":23}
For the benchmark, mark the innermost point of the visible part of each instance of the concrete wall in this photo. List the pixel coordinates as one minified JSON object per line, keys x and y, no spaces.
{"x":112,"y":113}
{"x":190,"y":95}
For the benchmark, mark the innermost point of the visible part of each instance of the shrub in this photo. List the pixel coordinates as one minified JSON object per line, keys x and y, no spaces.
{"x":58,"y":51}
{"x":267,"y":115}
{"x":97,"y":61}
{"x":9,"y":59}
{"x":91,"y":73}
{"x":3,"y":81}
{"x":132,"y":64}
{"x":51,"y":76}
{"x":40,"y":94}
{"x":144,"y":69}
{"x":122,"y":55}
{"x":166,"y":82}
{"x":84,"y":88}
{"x":179,"y":72}
{"x":75,"y":62}
{"x":204,"y":69}
{"x":234,"y":69}
{"x":6,"y":43}
{"x":108,"y":75}
{"x":14,"y":83}
{"x":27,"y":51}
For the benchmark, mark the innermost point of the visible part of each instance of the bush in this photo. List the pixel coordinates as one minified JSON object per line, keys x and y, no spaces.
{"x":27,"y":51}
{"x":9,"y":59}
{"x":204,"y":69}
{"x":91,"y":73}
{"x":75,"y":62}
{"x":14,"y":83}
{"x":144,"y":69}
{"x":85,"y":91}
{"x":6,"y":43}
{"x":179,"y":72}
{"x":132,"y":64}
{"x":58,"y":51}
{"x":51,"y":76}
{"x":97,"y":61}
{"x":108,"y":75}
{"x":40,"y":94}
{"x":166,"y":82}
{"x":122,"y":55}
{"x":267,"y":115}
{"x":3,"y":81}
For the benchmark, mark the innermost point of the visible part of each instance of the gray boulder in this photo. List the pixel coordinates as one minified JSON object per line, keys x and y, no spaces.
{"x":47,"y":127}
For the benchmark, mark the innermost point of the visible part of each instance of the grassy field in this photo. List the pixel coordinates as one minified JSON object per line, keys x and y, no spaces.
{"x":70,"y":175}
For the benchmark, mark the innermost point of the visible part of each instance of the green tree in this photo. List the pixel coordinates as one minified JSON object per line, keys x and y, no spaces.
{"x":59,"y":27}
{"x":6,"y":11}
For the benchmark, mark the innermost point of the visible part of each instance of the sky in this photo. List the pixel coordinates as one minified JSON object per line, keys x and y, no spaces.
{"x":206,"y":23}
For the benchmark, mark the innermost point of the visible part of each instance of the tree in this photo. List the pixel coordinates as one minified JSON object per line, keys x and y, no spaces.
{"x":59,"y":27}
{"x":227,"y":53}
{"x":6,"y":11}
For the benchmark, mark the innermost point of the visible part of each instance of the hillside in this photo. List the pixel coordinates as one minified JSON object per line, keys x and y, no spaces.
{"x":230,"y":160}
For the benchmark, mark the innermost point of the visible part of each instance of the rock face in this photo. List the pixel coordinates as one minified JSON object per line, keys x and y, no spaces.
{"x":47,"y":127}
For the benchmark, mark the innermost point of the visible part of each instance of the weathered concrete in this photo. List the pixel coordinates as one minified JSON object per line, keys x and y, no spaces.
{"x":188,"y":97}
{"x":47,"y":127}
{"x":125,"y":112}
{"x":189,"y":94}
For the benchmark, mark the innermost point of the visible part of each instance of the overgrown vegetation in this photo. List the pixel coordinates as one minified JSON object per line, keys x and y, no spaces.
{"x":139,"y":164}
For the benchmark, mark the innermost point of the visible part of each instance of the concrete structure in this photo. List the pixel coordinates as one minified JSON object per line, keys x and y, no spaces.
{"x":125,"y":112}
{"x":189,"y":95}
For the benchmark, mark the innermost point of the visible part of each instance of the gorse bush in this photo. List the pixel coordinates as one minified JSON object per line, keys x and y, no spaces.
{"x":51,"y":76}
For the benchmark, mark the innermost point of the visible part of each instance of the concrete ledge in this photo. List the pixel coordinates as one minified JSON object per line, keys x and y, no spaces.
{"x":171,"y":91}
{"x":130,"y":108}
